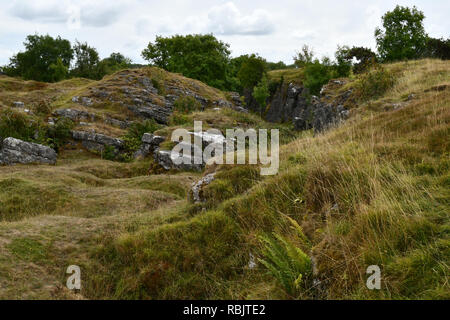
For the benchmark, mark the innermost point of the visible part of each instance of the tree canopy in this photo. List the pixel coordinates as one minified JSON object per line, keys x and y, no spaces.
{"x":403,"y":35}
{"x":201,"y":57}
{"x":41,"y":52}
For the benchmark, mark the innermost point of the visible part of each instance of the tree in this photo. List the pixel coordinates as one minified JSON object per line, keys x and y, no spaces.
{"x":252,"y":70}
{"x":318,"y":73}
{"x":438,"y":48}
{"x":303,"y":57}
{"x":41,"y":52}
{"x":366,"y":58}
{"x":86,"y":63}
{"x":115,"y":62}
{"x":403,"y":36}
{"x":343,"y":63}
{"x":58,"y":71}
{"x":261,"y":92}
{"x":202,"y":57}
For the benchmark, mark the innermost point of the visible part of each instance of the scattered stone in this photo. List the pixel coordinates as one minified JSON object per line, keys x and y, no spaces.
{"x":14,"y":151}
{"x":18,"y":104}
{"x":197,"y":187}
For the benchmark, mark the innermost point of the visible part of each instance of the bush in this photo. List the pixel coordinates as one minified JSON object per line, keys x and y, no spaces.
{"x":187,"y":104}
{"x":59,"y":134}
{"x":316,"y":75}
{"x":17,"y":125}
{"x":374,"y":83}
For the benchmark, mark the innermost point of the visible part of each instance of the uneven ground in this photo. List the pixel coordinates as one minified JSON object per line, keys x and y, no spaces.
{"x":373,"y":191}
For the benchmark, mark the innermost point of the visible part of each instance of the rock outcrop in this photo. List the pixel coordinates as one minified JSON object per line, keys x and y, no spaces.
{"x":150,"y":143}
{"x":169,"y":159}
{"x":13,"y":151}
{"x":293,"y":103}
{"x":96,"y":141}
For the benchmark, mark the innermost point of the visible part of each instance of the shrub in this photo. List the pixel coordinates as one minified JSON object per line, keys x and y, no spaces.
{"x":17,"y":125}
{"x":187,"y":104}
{"x":374,"y":83}
{"x":316,"y":75}
{"x":59,"y":134}
{"x":137,"y":129}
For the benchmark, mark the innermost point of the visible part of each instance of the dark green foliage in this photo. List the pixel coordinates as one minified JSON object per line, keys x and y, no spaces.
{"x":317,"y":74}
{"x":137,"y":129}
{"x":58,"y":71}
{"x":42,"y":59}
{"x":276,"y":65}
{"x":115,"y":62}
{"x":437,"y":48}
{"x":59,"y":134}
{"x":202,"y":57}
{"x":251,"y":71}
{"x":365,"y":56}
{"x":261,"y":92}
{"x":343,"y":65}
{"x":86,"y":63}
{"x":403,"y":35}
{"x":132,"y":140}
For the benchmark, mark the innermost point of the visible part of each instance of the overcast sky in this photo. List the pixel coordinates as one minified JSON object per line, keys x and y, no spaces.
{"x":274,"y":29}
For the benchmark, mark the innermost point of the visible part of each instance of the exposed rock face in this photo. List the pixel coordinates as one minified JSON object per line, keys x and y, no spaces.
{"x":74,"y":115}
{"x":167,"y":158}
{"x":293,"y":103}
{"x":288,"y":100}
{"x":97,"y":142}
{"x":147,"y":110}
{"x":197,"y":187}
{"x":14,"y":151}
{"x":150,"y":143}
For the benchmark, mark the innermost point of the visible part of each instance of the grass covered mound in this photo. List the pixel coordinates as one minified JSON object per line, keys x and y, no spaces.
{"x":374,"y":191}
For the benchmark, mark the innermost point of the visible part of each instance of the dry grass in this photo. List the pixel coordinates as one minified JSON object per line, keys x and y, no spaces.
{"x":373,"y":191}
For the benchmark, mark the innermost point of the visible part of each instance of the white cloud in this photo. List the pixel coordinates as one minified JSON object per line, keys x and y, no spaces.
{"x":226,"y":19}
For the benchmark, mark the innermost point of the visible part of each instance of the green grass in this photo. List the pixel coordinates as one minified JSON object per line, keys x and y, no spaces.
{"x":372,"y":191}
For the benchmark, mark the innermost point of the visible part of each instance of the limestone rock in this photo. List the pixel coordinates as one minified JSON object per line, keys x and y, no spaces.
{"x":197,"y":187}
{"x":17,"y":151}
{"x":96,"y":141}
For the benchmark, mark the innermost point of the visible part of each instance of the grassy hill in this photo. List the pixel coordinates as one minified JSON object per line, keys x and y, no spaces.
{"x":374,"y":191}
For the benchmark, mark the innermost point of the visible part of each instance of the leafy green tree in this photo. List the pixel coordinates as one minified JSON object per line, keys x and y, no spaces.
{"x":58,"y":71}
{"x":366,"y":58}
{"x":87,"y":60}
{"x":317,"y":73}
{"x":252,"y":70}
{"x":115,"y":62}
{"x":437,"y":48}
{"x":41,"y":52}
{"x":343,"y":64}
{"x":202,"y":57}
{"x":303,"y":57}
{"x":276,"y":65}
{"x":261,"y":92}
{"x":403,"y":35}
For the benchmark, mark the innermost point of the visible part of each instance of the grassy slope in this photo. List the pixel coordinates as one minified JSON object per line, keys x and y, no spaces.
{"x":373,"y":191}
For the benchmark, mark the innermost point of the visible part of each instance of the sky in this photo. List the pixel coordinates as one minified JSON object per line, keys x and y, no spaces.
{"x":275,"y":30}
